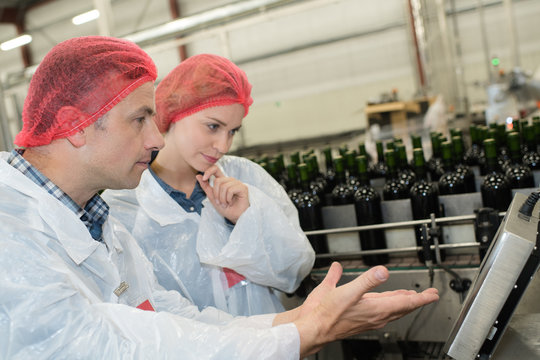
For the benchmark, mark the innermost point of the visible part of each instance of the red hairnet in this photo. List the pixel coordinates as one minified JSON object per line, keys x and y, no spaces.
{"x":200,"y":82}
{"x":77,"y":82}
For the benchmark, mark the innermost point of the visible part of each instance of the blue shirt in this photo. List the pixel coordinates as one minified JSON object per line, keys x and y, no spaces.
{"x":95,"y":211}
{"x":191,"y":204}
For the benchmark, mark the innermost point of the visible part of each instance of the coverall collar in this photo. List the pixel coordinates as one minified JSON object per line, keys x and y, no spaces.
{"x":70,"y":230}
{"x":158,"y":204}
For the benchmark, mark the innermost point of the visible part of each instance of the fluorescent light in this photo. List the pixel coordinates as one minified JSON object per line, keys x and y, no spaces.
{"x":15,"y":43}
{"x":85,"y":17}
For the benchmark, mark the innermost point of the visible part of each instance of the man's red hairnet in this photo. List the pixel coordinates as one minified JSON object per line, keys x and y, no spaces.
{"x":200,"y":82}
{"x":77,"y":82}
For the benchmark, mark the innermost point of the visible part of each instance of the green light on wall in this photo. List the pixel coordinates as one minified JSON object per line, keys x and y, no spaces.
{"x":495,"y":61}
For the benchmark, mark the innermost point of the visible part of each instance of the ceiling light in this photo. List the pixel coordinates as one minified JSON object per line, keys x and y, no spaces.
{"x":15,"y":43}
{"x":85,"y":17}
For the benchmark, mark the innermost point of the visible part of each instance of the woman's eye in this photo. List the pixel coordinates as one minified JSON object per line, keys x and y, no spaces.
{"x":233,"y":132}
{"x":213,"y":126}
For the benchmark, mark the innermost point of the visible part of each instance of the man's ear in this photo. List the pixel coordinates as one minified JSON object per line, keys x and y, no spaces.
{"x":78,"y":139}
{"x":70,"y":117}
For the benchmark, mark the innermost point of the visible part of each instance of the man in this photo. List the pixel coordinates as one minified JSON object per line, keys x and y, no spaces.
{"x":73,"y":282}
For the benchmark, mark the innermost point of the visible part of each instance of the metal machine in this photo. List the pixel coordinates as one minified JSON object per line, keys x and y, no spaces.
{"x":504,"y":275}
{"x":465,"y":282}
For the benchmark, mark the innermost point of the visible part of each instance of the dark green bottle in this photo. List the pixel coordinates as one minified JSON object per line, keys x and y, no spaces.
{"x":330,"y":173}
{"x":536,"y":127}
{"x":416,"y":142}
{"x":483,"y":134}
{"x":281,"y":166}
{"x":310,"y":215}
{"x":434,"y":164}
{"x":394,"y":188}
{"x":463,"y":170}
{"x":405,"y":172}
{"x":379,"y":169}
{"x":501,"y":142}
{"x":273,"y":169}
{"x":295,"y":158}
{"x":450,"y":183}
{"x":367,"y":205}
{"x":531,"y":158}
{"x":315,"y":186}
{"x":343,"y":149}
{"x":317,"y":176}
{"x":342,"y":194}
{"x":424,"y":201}
{"x":495,"y":188}
{"x":293,"y":184}
{"x":518,"y":175}
{"x":362,"y":151}
{"x":351,"y":169}
{"x":474,"y":155}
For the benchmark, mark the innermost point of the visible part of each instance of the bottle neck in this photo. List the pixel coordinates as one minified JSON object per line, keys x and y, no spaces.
{"x":492,"y":165}
{"x":420,"y":172}
{"x":363,"y":178}
{"x":328,"y":160}
{"x":380,"y":152}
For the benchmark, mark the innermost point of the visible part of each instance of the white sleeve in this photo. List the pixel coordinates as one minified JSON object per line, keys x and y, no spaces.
{"x":266,"y":245}
{"x":43,"y":314}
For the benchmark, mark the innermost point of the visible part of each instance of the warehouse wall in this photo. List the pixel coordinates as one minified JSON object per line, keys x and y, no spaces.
{"x":312,"y":71}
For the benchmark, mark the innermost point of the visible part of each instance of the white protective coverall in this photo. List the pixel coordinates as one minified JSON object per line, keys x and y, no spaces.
{"x":57,"y":295}
{"x":189,"y":250}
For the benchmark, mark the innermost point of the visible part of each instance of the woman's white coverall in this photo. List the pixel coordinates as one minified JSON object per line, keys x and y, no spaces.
{"x":189,"y":251}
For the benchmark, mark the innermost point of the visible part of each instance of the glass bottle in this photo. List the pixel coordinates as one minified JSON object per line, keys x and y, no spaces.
{"x":367,"y":205}
{"x":281,"y":166}
{"x":379,"y":169}
{"x":352,"y":169}
{"x":463,"y":170}
{"x":362,"y":151}
{"x":315,"y":186}
{"x":310,"y":215}
{"x":416,"y":142}
{"x":531,"y":158}
{"x":295,"y":158}
{"x":394,"y":188}
{"x":450,"y":182}
{"x":495,"y":188}
{"x":273,"y":169}
{"x":518,"y":175}
{"x":475,"y":152}
{"x":424,"y":201}
{"x":316,"y":174}
{"x":293,"y":184}
{"x":330,"y":174}
{"x":342,"y":194}
{"x":501,"y":141}
{"x":536,"y":130}
{"x":343,"y":149}
{"x":435,"y":162}
{"x":405,"y":173}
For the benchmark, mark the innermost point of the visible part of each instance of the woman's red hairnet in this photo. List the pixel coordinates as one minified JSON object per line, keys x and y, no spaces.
{"x":200,"y":82}
{"x":77,"y":82}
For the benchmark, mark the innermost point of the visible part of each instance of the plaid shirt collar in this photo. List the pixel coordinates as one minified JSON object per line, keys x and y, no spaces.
{"x":94,"y":213}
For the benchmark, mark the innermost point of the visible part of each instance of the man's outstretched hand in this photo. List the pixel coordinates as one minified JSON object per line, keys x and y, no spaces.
{"x":331,"y":313}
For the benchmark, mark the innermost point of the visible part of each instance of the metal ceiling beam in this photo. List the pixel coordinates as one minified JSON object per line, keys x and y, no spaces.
{"x":179,"y":26}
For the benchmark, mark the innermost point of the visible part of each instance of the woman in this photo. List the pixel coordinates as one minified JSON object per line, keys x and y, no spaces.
{"x":217,"y":228}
